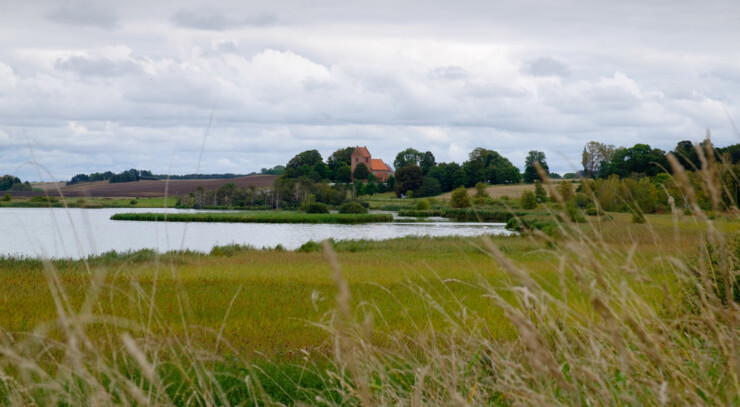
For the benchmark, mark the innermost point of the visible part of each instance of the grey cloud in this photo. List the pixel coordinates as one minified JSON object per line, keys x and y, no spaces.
{"x":218,"y":21}
{"x":96,"y":66}
{"x":451,"y":73}
{"x":84,"y":13}
{"x":546,"y":66}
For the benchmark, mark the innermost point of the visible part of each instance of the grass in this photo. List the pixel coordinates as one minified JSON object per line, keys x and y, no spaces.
{"x":604,"y":313}
{"x":255,"y":217}
{"x":156,"y":202}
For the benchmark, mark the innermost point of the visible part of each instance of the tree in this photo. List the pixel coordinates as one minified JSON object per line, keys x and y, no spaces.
{"x":429,"y":187}
{"x":407,"y":157}
{"x":528,"y":200}
{"x":445,"y":174}
{"x":337,"y":159}
{"x":460,"y":198}
{"x":530,"y":172}
{"x":408,"y":178}
{"x":343,"y":174}
{"x":361,"y":172}
{"x":307,"y":158}
{"x":539,"y":192}
{"x":640,"y":159}
{"x":497,"y":169}
{"x":594,"y":154}
{"x":427,"y":162}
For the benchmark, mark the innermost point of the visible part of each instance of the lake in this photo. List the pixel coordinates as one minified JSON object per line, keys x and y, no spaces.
{"x":76,"y":233}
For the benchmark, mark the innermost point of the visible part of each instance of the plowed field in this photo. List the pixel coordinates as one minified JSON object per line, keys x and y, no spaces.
{"x":152,"y":188}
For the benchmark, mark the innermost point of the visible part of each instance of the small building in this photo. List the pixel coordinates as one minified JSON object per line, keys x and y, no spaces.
{"x":377,"y":167}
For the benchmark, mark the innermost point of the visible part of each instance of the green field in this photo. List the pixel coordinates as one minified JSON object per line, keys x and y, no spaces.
{"x":92,"y":203}
{"x":610,"y":311}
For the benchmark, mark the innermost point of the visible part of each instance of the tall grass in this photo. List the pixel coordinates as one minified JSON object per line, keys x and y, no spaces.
{"x":604,"y":314}
{"x":256,"y":217}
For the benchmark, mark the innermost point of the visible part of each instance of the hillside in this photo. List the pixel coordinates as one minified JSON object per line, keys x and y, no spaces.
{"x":149,"y":188}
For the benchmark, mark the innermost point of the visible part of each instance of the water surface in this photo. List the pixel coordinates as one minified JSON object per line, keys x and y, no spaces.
{"x":76,"y":232}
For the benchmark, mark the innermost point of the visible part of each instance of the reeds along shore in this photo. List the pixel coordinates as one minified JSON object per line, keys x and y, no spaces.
{"x":263,"y":217}
{"x":606,"y":313}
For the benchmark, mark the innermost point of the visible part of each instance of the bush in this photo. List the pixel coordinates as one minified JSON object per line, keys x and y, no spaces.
{"x":528,"y":200}
{"x":310,"y":246}
{"x":352,"y":207}
{"x":133,"y":202}
{"x":317,"y":207}
{"x":422,"y":205}
{"x":460,"y":198}
{"x":7,"y":197}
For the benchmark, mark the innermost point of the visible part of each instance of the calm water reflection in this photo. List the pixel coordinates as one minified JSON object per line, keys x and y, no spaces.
{"x":75,"y":233}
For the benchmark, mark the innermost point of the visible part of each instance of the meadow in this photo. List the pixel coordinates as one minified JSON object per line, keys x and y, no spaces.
{"x":606,"y":312}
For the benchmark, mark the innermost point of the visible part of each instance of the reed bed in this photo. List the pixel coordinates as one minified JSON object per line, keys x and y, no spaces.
{"x":256,"y":217}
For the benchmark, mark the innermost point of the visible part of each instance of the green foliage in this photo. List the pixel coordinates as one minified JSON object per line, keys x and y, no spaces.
{"x":361,"y":172}
{"x":640,"y":159}
{"x":460,"y":198}
{"x":7,"y":197}
{"x":530,"y":171}
{"x":261,"y":217}
{"x":338,"y":159}
{"x":352,"y":207}
{"x":481,"y":190}
{"x":133,"y":202}
{"x":309,"y":247}
{"x":528,"y":200}
{"x":317,"y":207}
{"x":12,"y":183}
{"x":429,"y":187}
{"x":408,"y":178}
{"x":638,"y":217}
{"x":343,"y":174}
{"x":408,"y":157}
{"x":566,"y":191}
{"x":539,"y":192}
{"x":422,"y":205}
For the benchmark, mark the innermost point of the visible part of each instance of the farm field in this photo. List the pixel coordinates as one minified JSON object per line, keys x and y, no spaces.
{"x":149,"y":188}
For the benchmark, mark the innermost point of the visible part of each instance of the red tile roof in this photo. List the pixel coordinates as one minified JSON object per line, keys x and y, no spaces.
{"x":376,"y":164}
{"x":363,"y":151}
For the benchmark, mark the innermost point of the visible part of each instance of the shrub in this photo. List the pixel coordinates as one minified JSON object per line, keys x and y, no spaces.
{"x":528,"y":200}
{"x":352,"y":207}
{"x":422,"y":205}
{"x":310,"y":246}
{"x":7,"y":197}
{"x":317,"y":207}
{"x":133,"y":202}
{"x":480,"y":191}
{"x":460,"y":198}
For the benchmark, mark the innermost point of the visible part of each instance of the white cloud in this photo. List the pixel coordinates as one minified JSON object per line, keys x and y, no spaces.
{"x":505,"y":76}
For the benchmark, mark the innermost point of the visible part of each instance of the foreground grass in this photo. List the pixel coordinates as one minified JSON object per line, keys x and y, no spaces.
{"x":256,"y":217}
{"x":609,"y":312}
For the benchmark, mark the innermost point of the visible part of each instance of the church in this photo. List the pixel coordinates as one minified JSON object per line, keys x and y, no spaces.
{"x":377,"y":167}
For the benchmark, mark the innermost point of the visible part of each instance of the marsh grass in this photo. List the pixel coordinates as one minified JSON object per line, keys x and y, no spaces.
{"x":256,"y":217}
{"x":606,"y":313}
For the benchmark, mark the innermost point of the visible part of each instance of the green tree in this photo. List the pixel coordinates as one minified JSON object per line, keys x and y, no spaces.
{"x":361,"y":172}
{"x":594,"y":154}
{"x":528,"y":200}
{"x":344,"y":174}
{"x":408,"y":178}
{"x":429,"y":187}
{"x":307,"y":158}
{"x":339,"y":158}
{"x":427,"y":162}
{"x":480,"y":190}
{"x":407,"y":157}
{"x":539,"y":192}
{"x":530,"y":171}
{"x":460,"y":198}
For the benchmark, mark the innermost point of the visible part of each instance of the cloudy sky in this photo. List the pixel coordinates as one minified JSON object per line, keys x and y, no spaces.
{"x":110,"y":85}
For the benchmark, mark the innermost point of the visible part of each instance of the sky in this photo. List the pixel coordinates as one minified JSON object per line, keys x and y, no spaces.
{"x":235,"y":86}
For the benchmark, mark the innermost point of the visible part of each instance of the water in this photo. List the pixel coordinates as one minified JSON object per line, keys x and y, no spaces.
{"x":76,"y":233}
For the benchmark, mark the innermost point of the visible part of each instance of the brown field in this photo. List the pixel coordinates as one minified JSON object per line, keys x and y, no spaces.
{"x":497,"y":191}
{"x":158,"y":188}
